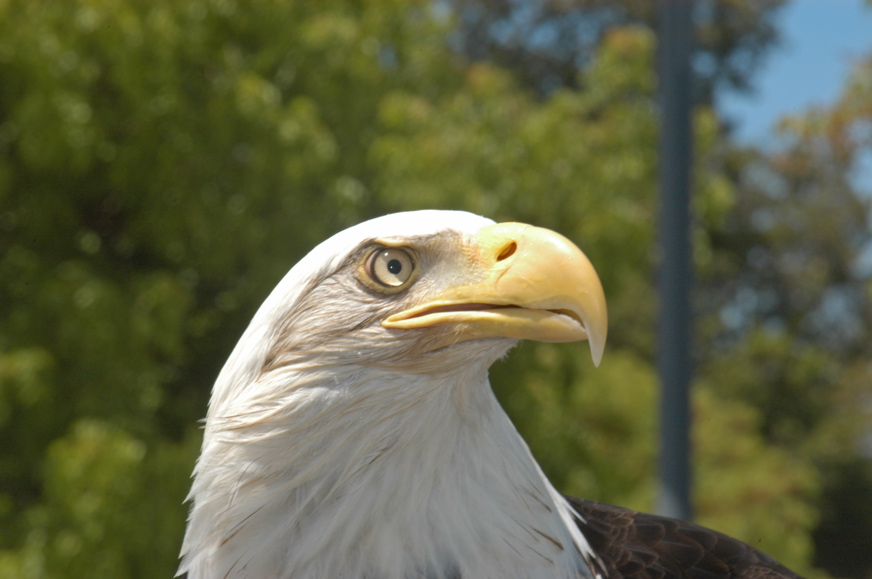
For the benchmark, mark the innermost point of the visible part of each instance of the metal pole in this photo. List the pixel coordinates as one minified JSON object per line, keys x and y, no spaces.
{"x":675,"y":45}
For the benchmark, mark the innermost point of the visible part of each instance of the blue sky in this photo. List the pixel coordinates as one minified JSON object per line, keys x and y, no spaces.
{"x":819,"y":40}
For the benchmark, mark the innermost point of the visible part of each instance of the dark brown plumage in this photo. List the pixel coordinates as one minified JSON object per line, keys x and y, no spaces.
{"x":633,"y":545}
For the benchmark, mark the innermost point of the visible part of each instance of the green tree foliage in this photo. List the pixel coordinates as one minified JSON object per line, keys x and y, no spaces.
{"x":164,"y":162}
{"x":792,"y":289}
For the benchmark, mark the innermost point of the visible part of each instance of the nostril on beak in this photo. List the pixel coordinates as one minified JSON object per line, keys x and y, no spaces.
{"x":507,"y":251}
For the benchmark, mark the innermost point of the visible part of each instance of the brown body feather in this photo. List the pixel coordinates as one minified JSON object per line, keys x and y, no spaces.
{"x":633,"y":545}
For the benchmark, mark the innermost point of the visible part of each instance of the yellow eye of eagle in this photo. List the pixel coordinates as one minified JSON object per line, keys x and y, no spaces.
{"x":390,"y":266}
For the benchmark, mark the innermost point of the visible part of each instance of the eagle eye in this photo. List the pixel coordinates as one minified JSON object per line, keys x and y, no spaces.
{"x":390,"y":266}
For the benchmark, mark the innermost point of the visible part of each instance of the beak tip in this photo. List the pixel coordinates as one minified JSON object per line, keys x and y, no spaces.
{"x":596,"y":352}
{"x":596,"y":339}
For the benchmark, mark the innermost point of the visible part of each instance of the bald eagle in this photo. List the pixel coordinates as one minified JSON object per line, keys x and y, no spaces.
{"x":353,"y":432}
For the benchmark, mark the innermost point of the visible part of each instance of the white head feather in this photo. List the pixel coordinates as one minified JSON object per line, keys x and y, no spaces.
{"x":333,"y":448}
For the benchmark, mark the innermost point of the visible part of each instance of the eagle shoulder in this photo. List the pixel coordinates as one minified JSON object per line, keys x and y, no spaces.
{"x":633,"y":545}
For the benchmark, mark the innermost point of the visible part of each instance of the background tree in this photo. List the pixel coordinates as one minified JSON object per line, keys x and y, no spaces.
{"x":164,"y":162}
{"x":791,"y":291}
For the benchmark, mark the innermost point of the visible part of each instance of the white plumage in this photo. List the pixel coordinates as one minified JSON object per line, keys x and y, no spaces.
{"x":337,"y":447}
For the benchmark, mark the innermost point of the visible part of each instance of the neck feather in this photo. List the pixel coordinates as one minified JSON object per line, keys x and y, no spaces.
{"x":363,"y":473}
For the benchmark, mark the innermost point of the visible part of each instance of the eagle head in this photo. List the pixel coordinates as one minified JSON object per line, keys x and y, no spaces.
{"x":353,"y":432}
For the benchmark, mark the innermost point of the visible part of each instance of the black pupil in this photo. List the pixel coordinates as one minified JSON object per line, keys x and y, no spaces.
{"x":394,"y":266}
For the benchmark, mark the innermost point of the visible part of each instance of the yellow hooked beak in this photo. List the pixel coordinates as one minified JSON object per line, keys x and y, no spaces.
{"x":531,"y":283}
